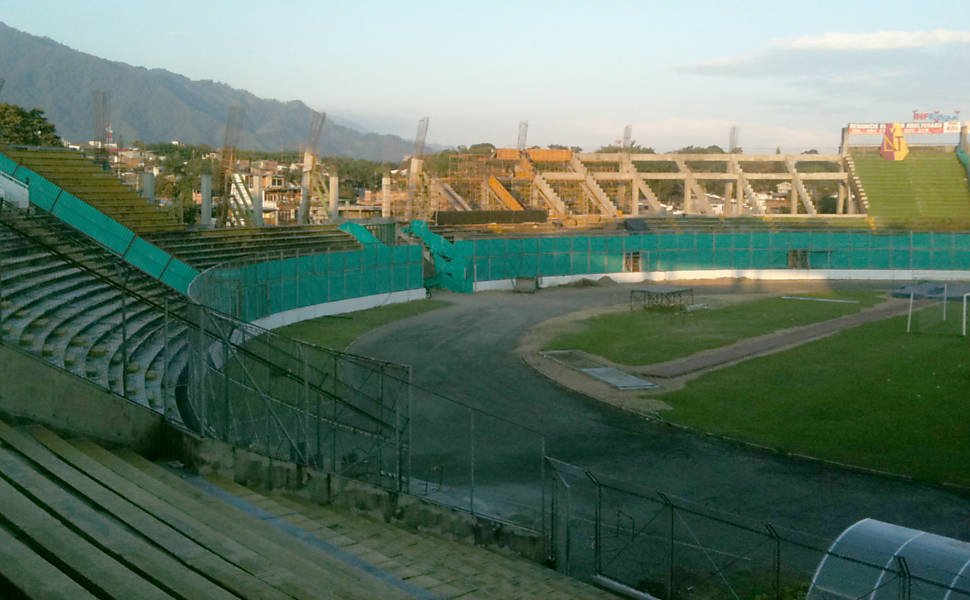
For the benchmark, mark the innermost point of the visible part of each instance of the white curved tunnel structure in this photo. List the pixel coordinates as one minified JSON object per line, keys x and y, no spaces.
{"x":872,"y":559}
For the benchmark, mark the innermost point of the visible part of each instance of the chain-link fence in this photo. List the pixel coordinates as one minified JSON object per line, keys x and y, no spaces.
{"x":469,"y":459}
{"x":294,"y":401}
{"x":668,"y":547}
{"x":81,"y":309}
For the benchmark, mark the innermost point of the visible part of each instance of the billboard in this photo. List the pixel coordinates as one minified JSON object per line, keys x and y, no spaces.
{"x":913,"y":128}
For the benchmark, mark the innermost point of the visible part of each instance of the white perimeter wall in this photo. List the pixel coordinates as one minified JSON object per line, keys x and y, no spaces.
{"x":900,"y":275}
{"x":295,"y":315}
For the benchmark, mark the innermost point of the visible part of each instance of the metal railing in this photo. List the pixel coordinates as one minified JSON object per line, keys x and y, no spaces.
{"x":224,"y":378}
{"x":655,"y":545}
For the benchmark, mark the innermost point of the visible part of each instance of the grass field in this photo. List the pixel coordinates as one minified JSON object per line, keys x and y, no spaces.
{"x":340,"y":331}
{"x":644,"y":337}
{"x":872,"y":396}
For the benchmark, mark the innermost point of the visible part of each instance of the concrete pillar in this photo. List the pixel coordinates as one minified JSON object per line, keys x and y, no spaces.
{"x":844,"y":148}
{"x":840,"y":207}
{"x":739,"y":197}
{"x":148,"y":186}
{"x":303,"y":214}
{"x":964,"y":143}
{"x":206,"y":188}
{"x":386,"y":197}
{"x":334,"y":197}
{"x":257,"y":193}
{"x":635,"y":195}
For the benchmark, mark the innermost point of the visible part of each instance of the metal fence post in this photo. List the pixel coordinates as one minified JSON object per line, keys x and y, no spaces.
{"x":124,"y":335}
{"x":410,"y":399}
{"x":542,"y":486}
{"x":670,"y":547}
{"x":471,"y":459}
{"x":597,"y":526}
{"x":333,"y":426}
{"x":225,"y":390}
{"x":905,"y":579}
{"x":203,"y":367}
{"x":165,"y":357}
{"x":305,"y":438}
{"x":380,"y":408}
{"x":774,"y":535}
{"x":316,"y":420}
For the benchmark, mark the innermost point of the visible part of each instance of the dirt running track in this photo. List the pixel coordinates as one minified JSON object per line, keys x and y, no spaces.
{"x":466,"y":351}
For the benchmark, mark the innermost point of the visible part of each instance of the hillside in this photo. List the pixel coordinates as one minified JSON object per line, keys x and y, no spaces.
{"x":157,"y":105}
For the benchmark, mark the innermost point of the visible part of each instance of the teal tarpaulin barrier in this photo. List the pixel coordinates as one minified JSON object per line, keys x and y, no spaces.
{"x":460,"y":264}
{"x":101,"y":228}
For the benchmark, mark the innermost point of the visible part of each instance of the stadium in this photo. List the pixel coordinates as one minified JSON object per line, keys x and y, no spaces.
{"x":168,"y":430}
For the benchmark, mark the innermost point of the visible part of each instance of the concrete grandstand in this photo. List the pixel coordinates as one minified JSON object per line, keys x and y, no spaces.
{"x":103,"y":287}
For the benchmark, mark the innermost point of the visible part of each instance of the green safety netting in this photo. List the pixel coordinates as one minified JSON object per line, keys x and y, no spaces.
{"x":254,"y":290}
{"x":360,"y":232}
{"x":464,"y":262}
{"x":453,"y":269}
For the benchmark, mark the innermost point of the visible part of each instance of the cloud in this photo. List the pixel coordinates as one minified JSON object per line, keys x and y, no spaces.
{"x":881,"y":40}
{"x":905,"y":66}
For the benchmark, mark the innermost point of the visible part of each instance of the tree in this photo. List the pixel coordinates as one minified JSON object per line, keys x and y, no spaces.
{"x":481,"y":148}
{"x":30,"y":128}
{"x":712,"y":149}
{"x":634,"y":148}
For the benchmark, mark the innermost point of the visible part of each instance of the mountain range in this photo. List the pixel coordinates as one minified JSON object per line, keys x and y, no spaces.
{"x":155,"y":105}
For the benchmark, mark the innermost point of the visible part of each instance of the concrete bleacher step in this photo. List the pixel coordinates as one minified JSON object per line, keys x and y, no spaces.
{"x":231,"y":564}
{"x":444,"y":567}
{"x":25,"y":573}
{"x":316,"y":567}
{"x":86,"y":566}
{"x":100,"y":524}
{"x":106,"y":519}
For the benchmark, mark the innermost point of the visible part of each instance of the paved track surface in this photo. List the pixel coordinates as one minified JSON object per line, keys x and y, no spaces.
{"x":465,"y":351}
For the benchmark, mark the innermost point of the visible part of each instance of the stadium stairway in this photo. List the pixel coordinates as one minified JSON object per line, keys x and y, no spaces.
{"x":82,"y":521}
{"x":88,"y":181}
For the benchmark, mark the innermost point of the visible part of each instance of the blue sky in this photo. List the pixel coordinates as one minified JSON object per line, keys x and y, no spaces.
{"x":788,"y":74}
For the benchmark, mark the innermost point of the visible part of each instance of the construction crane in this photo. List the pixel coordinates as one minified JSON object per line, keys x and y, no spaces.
{"x":99,"y":104}
{"x":415,"y":167}
{"x":523,"y":132}
{"x":419,"y":139}
{"x":227,"y":160}
{"x":309,"y":165}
